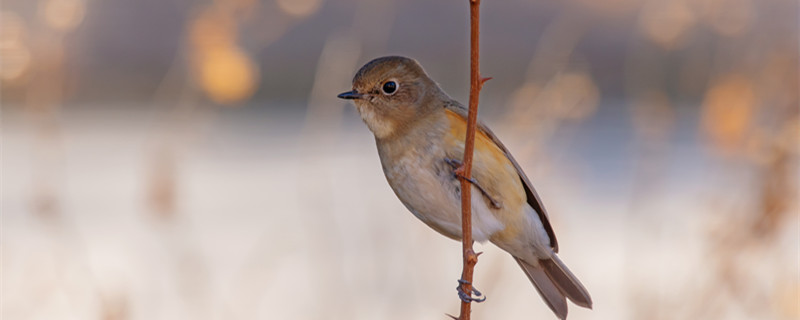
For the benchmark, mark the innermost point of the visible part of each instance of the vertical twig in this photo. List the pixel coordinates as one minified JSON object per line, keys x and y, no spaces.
{"x":475,"y":84}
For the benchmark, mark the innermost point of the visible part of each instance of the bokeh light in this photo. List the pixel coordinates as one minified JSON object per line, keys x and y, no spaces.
{"x":16,"y":59}
{"x":15,"y":53}
{"x":728,"y":111}
{"x":62,"y":15}
{"x":211,"y":29}
{"x":299,"y":8}
{"x":667,"y":22}
{"x":228,"y":75}
{"x":728,"y":17}
{"x":568,"y":96}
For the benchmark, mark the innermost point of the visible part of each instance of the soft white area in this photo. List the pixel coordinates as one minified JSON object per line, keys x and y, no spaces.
{"x":275,"y":225}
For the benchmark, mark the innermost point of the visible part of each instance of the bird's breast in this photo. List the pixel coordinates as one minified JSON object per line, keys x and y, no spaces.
{"x":424,"y":182}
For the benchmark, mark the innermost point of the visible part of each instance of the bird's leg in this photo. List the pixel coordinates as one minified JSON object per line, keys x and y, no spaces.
{"x":456,"y":165}
{"x":467,"y":297}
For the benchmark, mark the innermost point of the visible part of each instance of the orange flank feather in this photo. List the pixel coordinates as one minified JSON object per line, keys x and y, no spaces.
{"x":495,"y":173}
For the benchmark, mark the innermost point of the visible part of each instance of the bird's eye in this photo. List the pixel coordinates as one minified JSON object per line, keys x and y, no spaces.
{"x":389,"y":87}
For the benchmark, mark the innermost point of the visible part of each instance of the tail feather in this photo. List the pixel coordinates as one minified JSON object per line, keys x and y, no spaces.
{"x":566,"y":281}
{"x":555,"y":283}
{"x":546,"y":288}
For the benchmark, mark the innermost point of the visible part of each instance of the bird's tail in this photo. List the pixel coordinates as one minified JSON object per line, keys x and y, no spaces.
{"x":555,"y":283}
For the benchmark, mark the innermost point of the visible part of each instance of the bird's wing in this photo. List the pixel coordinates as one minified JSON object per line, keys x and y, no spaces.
{"x":533,"y":198}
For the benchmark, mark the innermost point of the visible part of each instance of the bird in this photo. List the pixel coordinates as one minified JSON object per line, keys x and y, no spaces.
{"x":420,"y":135}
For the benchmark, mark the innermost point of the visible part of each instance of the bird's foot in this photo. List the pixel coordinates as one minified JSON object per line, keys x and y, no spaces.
{"x":467,"y":297}
{"x":459,"y":173}
{"x":453,"y":163}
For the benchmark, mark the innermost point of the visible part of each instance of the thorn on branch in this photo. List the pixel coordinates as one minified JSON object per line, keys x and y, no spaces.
{"x":471,"y":257}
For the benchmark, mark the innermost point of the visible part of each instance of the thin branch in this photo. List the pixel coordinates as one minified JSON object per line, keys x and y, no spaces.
{"x":465,"y":171}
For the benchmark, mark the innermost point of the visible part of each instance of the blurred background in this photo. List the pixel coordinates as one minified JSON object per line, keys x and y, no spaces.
{"x":189,"y":159}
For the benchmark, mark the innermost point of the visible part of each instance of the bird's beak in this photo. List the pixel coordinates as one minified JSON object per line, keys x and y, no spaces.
{"x":352,"y":94}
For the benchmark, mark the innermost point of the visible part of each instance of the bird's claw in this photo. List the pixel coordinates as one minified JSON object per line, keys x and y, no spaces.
{"x":458,"y":172}
{"x":466,"y":297}
{"x":453,"y":163}
{"x":458,"y":169}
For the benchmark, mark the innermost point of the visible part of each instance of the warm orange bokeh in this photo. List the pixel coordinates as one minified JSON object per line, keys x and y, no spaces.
{"x":227,"y":74}
{"x":728,"y":111}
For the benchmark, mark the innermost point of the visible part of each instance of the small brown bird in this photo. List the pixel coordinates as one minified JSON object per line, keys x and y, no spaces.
{"x":419,"y":131}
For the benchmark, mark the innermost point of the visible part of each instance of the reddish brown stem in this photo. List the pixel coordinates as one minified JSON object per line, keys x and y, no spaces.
{"x":475,"y":84}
